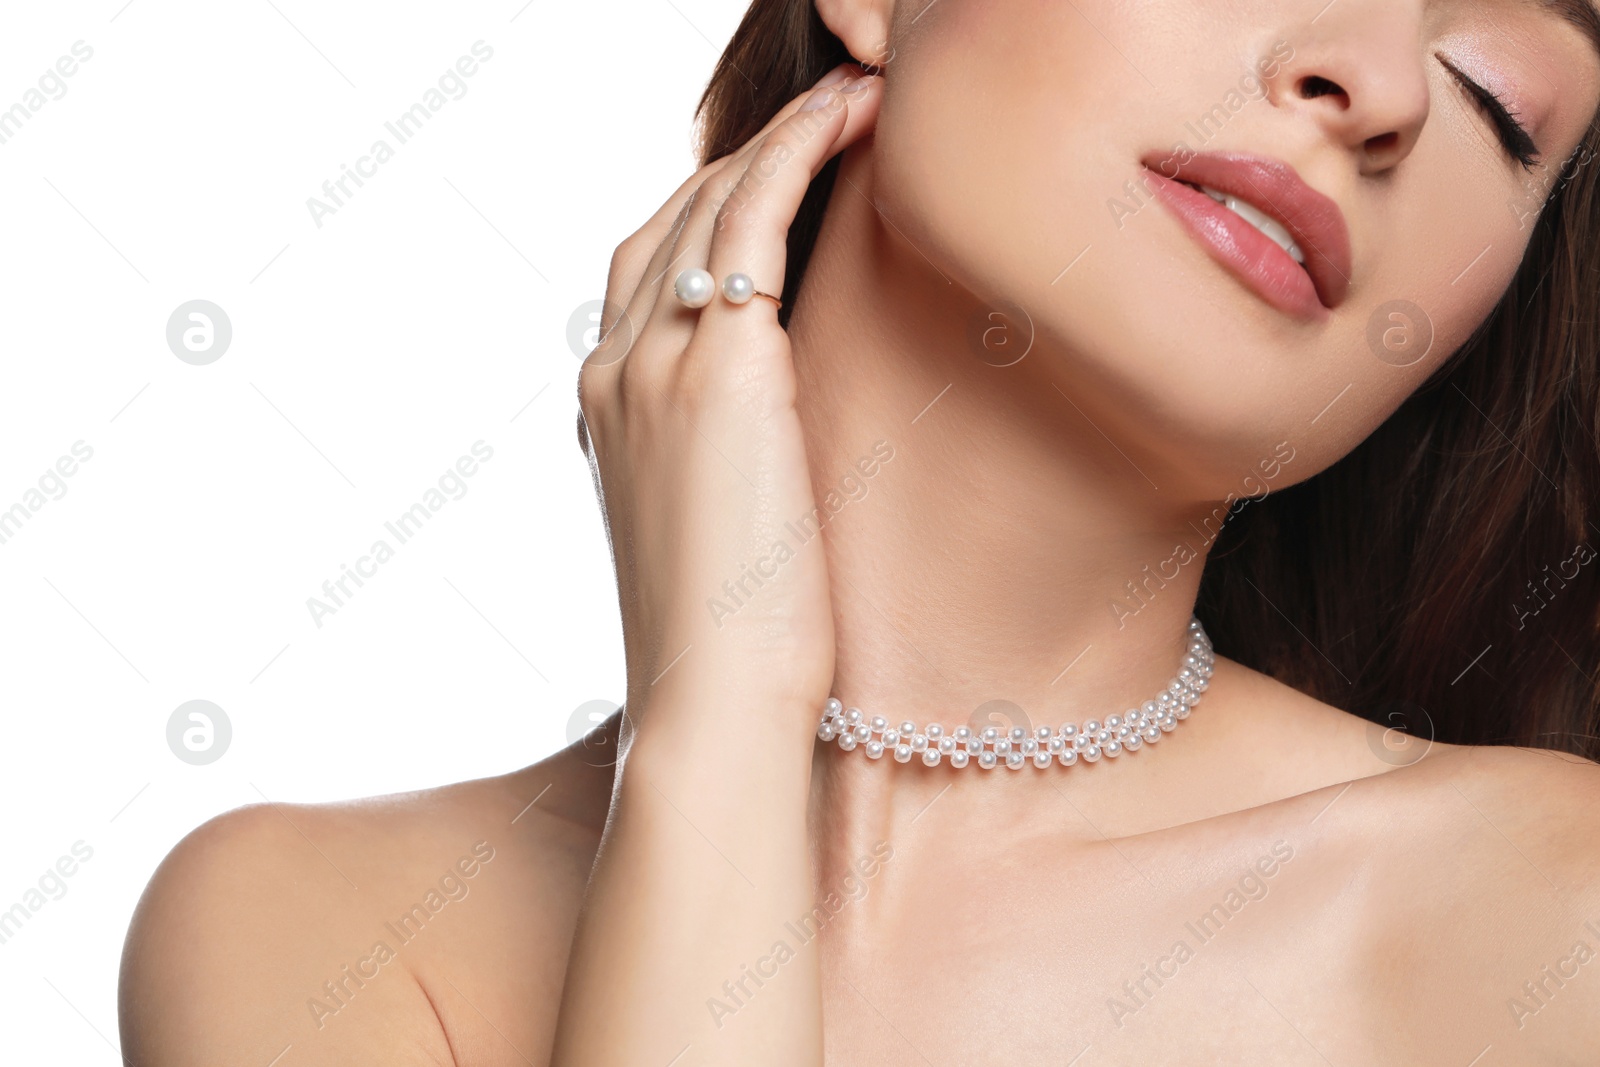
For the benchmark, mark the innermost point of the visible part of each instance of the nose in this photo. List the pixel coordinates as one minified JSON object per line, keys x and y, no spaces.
{"x":1361,"y":75}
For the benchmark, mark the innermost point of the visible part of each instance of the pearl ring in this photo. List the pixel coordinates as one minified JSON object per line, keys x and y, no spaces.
{"x":695,"y":287}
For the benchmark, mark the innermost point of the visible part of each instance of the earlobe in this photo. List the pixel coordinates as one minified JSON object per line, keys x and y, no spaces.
{"x":863,"y":26}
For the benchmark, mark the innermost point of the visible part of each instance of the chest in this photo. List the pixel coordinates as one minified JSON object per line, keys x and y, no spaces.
{"x":1270,"y":954}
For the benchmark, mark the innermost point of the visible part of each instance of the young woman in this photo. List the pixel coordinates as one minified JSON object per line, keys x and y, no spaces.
{"x":930,"y":393}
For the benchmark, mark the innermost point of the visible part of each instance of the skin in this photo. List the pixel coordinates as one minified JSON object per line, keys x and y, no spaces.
{"x":1389,"y":899}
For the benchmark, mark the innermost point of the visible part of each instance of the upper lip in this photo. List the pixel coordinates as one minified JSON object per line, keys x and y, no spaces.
{"x":1315,"y":221}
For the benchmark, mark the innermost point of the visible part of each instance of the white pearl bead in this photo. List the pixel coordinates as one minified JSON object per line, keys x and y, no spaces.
{"x":738,"y":288}
{"x":1088,"y":741}
{"x":694,"y":287}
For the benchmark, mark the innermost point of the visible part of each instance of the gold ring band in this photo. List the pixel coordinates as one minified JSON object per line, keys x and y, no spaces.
{"x":769,"y":296}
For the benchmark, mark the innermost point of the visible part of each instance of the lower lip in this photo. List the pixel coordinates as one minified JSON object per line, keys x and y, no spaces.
{"x":1252,"y":256}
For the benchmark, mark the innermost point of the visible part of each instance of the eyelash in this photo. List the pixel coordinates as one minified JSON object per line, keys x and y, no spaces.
{"x":1513,"y":134}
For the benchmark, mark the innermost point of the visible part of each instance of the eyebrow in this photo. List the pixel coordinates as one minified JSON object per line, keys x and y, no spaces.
{"x":1580,"y":13}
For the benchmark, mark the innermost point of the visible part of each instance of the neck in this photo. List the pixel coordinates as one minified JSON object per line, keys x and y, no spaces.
{"x":986,"y":540}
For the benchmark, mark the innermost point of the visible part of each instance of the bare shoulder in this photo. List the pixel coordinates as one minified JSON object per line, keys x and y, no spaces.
{"x":422,"y":928}
{"x":1481,"y":866}
{"x":1542,"y":801}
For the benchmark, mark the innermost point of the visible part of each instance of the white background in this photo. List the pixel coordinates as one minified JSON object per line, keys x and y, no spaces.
{"x":429,"y":312}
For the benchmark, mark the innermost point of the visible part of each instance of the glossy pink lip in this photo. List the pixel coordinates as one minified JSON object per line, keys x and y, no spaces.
{"x":1315,"y":221}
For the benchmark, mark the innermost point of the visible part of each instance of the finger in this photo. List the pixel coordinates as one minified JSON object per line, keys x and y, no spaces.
{"x":753,"y":208}
{"x":751,"y":230}
{"x":634,"y":258}
{"x":630,"y":269}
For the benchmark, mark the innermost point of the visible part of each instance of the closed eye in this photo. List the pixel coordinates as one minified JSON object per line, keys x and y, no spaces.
{"x":1513,"y":135}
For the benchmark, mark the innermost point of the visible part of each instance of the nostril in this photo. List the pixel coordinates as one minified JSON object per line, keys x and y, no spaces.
{"x":1313,"y":86}
{"x":1381,"y":144}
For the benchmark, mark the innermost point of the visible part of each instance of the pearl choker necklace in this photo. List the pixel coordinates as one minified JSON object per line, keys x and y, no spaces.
{"x":986,"y":748}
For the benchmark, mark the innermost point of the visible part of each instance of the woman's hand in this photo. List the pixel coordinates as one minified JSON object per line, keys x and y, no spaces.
{"x":697,"y":449}
{"x":700,"y":464}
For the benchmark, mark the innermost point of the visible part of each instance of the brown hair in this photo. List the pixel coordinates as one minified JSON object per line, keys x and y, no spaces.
{"x":1441,"y":578}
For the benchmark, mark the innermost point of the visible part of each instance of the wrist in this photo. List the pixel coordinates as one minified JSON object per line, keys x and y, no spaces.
{"x":769,"y":742}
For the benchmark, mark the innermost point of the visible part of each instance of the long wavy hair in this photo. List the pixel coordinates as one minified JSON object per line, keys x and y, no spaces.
{"x":1442,"y":577}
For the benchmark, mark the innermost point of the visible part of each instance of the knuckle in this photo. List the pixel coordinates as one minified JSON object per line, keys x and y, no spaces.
{"x":636,"y":380}
{"x":625,"y":262}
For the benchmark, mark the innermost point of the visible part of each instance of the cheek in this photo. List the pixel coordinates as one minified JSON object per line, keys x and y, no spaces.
{"x":991,"y":132}
{"x":1440,"y":266}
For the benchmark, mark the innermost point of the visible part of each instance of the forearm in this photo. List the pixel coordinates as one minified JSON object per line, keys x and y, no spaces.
{"x":703,"y":861}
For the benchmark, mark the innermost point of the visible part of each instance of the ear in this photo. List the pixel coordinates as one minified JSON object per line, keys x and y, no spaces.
{"x":863,"y":26}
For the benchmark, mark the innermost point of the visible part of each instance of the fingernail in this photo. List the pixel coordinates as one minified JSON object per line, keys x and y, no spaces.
{"x":855,"y":86}
{"x":822,"y":98}
{"x":835,"y":76}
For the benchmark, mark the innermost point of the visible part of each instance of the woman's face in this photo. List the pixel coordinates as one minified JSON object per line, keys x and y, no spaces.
{"x":1046,"y":154}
